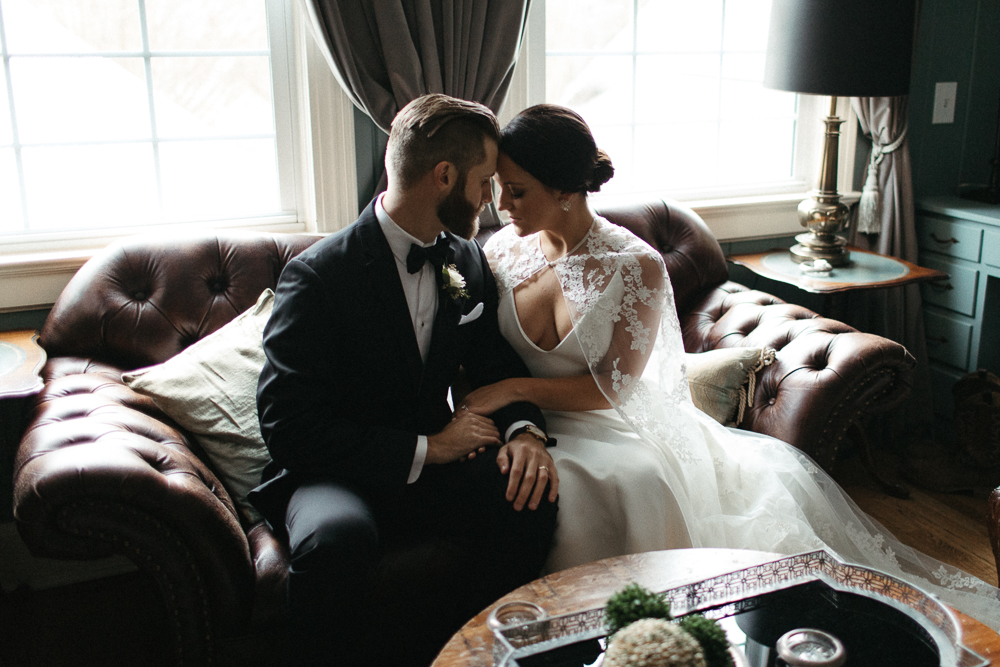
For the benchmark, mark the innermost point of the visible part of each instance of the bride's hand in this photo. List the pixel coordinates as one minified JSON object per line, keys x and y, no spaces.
{"x":487,"y":400}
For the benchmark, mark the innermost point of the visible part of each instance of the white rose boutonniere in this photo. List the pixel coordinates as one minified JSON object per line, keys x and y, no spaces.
{"x":454,"y":282}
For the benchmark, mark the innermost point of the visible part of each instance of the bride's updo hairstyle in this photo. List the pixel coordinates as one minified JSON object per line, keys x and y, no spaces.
{"x":554,"y":144}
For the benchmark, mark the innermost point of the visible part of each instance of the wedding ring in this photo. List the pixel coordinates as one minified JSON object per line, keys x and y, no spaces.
{"x":543,"y":468}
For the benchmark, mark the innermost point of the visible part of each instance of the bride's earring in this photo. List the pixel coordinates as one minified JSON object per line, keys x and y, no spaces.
{"x":567,"y":205}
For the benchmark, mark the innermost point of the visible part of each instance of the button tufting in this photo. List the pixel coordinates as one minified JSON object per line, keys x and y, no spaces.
{"x":139,"y":296}
{"x":772,"y":401}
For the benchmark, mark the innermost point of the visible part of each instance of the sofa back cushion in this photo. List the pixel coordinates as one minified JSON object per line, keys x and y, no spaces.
{"x":144,"y":299}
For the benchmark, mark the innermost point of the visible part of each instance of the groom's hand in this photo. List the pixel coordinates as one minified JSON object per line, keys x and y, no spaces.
{"x":531,"y":469}
{"x":462,"y":437}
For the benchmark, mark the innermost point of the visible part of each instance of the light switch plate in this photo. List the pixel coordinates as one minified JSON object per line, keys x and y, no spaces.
{"x":945,"y":94}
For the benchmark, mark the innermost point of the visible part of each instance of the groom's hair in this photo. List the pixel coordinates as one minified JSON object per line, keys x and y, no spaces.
{"x":437,"y":128}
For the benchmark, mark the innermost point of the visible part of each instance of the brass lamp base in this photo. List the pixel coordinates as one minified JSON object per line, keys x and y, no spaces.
{"x":811,"y":247}
{"x":823,"y":214}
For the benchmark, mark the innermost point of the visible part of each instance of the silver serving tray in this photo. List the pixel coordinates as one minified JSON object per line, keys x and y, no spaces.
{"x":736,"y":592}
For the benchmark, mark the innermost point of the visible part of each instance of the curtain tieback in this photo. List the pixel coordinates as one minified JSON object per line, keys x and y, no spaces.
{"x":870,"y":206}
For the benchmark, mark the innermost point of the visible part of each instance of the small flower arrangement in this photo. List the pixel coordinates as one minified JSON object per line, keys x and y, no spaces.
{"x":453,"y":282}
{"x":645,"y":634}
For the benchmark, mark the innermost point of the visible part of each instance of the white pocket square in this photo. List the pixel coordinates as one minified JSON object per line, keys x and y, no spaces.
{"x":473,"y":314}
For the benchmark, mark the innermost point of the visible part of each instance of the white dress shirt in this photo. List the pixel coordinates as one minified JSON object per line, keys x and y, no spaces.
{"x":421,"y":290}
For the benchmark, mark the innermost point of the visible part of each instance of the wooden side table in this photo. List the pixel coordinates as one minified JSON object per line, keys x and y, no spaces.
{"x":589,"y":586}
{"x":867,"y":270}
{"x":21,"y":359}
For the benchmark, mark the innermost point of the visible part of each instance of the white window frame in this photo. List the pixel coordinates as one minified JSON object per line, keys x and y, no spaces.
{"x":741,"y":217}
{"x":315,"y":148}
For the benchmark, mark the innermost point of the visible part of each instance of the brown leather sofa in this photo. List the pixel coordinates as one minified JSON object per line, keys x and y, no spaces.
{"x":100,"y":470}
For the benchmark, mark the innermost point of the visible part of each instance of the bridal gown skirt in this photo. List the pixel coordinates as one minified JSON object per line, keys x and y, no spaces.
{"x":696,"y":483}
{"x":617,"y":496}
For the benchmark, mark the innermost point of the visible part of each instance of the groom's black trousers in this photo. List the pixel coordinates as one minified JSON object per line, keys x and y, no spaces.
{"x":338,"y":537}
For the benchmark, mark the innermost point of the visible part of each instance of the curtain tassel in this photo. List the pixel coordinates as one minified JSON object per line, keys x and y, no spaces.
{"x":870,"y":206}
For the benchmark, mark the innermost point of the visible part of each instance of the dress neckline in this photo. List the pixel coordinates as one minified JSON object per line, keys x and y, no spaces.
{"x":524,"y":335}
{"x":538,"y":246}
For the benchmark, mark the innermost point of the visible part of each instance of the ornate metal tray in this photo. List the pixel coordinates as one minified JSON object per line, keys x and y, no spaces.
{"x":746,"y":590}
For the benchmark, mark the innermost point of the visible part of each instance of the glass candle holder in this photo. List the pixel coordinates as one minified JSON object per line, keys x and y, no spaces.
{"x":510,"y":615}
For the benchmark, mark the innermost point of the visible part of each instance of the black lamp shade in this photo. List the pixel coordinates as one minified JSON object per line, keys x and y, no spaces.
{"x":847,"y":48}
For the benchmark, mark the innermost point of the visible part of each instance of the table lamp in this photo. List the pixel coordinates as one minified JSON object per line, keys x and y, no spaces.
{"x":841,"y":48}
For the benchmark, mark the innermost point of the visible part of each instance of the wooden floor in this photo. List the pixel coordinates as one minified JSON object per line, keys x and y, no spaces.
{"x":948,"y":526}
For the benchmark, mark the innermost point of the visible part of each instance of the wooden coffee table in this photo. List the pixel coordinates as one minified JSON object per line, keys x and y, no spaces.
{"x":589,"y":586}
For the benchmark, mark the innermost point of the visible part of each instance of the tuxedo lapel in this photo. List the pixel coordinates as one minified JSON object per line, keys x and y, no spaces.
{"x":388,"y":305}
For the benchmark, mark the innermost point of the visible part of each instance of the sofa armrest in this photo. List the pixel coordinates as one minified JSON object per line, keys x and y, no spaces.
{"x":100,"y":470}
{"x":826,"y":378}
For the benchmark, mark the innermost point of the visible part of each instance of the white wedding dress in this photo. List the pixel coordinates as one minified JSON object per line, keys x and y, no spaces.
{"x":654,"y":472}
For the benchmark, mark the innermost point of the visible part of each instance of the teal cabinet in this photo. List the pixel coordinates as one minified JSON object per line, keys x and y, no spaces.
{"x":961,"y":313}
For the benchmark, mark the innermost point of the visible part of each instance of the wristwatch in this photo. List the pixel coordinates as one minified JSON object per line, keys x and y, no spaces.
{"x":533,"y":430}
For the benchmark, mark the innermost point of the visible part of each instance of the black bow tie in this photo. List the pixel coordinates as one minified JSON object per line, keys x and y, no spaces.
{"x":436,"y":254}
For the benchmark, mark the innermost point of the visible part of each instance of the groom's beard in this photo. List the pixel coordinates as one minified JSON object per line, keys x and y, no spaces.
{"x":458,"y":214}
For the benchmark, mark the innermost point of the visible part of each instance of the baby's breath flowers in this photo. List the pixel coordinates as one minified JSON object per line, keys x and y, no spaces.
{"x":653,"y":642}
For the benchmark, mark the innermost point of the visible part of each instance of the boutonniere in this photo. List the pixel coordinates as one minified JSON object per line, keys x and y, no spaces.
{"x":454,"y":282}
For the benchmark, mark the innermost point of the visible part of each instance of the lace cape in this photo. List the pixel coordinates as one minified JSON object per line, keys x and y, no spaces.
{"x":735,"y":489}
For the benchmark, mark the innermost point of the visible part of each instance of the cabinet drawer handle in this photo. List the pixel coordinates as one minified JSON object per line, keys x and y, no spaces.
{"x":937,"y":339}
{"x":941,"y":285}
{"x":944,"y":241}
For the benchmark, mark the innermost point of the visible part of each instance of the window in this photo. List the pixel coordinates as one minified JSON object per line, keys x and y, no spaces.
{"x":210,"y":113}
{"x":672,"y":91}
{"x":126,"y":113}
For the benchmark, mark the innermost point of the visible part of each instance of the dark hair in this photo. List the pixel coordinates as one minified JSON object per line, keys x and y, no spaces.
{"x":554,"y":144}
{"x":437,"y":128}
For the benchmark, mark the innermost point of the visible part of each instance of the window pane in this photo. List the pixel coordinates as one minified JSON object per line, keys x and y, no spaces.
{"x":588,"y":25}
{"x":742,"y":92}
{"x":90,"y":187}
{"x":11,"y":221}
{"x":746,"y":25}
{"x":217,"y":179}
{"x":679,"y":26}
{"x":6,"y":130}
{"x":755,"y":150}
{"x":209,"y":96}
{"x":682,"y":155}
{"x":206,"y":24}
{"x":672,"y":88}
{"x":80,"y":99}
{"x":598,"y":87}
{"x":80,"y":26}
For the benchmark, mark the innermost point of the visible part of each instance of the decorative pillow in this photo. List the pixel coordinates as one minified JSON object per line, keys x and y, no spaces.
{"x":211,"y":390}
{"x":722,"y":381}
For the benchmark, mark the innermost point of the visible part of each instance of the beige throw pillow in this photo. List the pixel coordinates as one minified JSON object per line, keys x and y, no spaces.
{"x":211,"y":390}
{"x":722,"y":381}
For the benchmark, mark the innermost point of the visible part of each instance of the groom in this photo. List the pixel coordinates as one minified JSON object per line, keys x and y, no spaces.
{"x":369,"y":328}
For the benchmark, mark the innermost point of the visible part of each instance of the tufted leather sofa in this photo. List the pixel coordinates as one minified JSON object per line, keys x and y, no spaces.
{"x":100,"y":470}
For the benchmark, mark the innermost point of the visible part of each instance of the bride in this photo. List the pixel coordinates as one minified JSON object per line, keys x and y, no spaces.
{"x":590,"y":309}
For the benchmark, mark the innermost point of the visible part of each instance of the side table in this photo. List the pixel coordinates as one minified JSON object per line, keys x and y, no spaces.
{"x":867,"y":270}
{"x":21,"y":359}
{"x":589,"y":586}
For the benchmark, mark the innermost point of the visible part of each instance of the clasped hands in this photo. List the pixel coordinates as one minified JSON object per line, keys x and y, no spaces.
{"x":524,"y":458}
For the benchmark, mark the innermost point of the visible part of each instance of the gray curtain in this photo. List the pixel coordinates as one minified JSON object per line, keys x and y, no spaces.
{"x":884,"y":222}
{"x":386,"y":53}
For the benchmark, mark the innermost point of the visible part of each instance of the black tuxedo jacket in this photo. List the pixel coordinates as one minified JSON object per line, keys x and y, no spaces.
{"x":343,"y":393}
